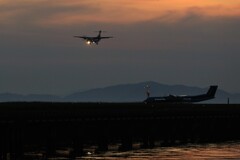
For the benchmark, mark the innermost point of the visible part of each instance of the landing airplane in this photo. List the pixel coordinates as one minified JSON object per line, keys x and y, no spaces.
{"x":184,"y":99}
{"x":93,"y":40}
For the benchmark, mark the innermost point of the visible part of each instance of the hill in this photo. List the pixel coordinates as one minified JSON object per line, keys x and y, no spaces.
{"x":124,"y":93}
{"x":136,"y":92}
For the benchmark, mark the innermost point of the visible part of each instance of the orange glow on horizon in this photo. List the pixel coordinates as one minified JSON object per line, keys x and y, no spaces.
{"x":64,"y":12}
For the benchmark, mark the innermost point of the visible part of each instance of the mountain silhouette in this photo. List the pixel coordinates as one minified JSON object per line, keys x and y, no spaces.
{"x":124,"y":93}
{"x":137,"y":92}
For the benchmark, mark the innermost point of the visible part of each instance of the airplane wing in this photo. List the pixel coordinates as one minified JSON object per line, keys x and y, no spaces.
{"x":105,"y":37}
{"x":83,"y":37}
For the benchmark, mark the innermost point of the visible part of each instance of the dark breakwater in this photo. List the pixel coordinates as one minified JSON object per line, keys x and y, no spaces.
{"x":46,"y":127}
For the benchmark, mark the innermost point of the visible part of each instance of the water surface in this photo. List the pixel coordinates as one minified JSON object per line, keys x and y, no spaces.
{"x":222,"y":151}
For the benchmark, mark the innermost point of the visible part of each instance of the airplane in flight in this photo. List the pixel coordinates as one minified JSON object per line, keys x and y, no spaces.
{"x":184,"y":99}
{"x":93,"y":40}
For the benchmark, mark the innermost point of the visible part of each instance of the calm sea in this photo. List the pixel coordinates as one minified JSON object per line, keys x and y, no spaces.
{"x":222,"y":151}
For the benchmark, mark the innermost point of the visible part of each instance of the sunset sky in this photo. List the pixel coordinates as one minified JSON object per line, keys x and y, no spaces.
{"x":189,"y":42}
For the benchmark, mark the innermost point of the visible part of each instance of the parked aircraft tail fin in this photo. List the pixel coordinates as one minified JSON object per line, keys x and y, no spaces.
{"x":212,"y":91}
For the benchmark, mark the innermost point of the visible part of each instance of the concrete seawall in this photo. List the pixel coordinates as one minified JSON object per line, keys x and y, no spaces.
{"x":47,"y":126}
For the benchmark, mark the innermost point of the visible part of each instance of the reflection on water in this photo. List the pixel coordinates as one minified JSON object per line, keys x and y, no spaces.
{"x":223,"y":151}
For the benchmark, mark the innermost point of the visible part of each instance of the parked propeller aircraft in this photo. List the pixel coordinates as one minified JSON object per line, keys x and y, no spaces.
{"x":184,"y":99}
{"x":93,"y":40}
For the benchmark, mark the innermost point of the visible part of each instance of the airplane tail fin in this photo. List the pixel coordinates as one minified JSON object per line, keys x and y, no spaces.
{"x":99,"y":33}
{"x":212,"y":91}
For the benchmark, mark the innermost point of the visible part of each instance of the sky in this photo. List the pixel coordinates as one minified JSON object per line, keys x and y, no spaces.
{"x":189,"y":42}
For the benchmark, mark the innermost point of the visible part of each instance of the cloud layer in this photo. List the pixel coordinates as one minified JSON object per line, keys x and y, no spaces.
{"x":63,"y":12}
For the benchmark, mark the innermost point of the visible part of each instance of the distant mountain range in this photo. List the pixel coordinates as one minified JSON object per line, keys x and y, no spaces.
{"x":124,"y":93}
